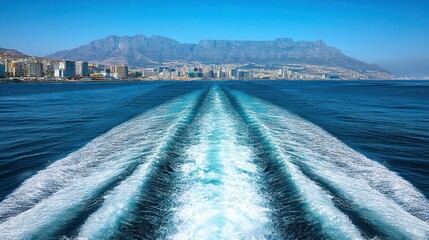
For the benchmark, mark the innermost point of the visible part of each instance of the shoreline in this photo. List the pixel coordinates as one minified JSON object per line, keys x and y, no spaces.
{"x":19,"y":81}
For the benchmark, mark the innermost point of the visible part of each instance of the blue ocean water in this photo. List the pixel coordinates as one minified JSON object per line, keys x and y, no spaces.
{"x":215,"y":160}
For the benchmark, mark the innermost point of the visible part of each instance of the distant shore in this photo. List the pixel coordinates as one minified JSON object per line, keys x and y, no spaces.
{"x":73,"y":81}
{"x":9,"y":81}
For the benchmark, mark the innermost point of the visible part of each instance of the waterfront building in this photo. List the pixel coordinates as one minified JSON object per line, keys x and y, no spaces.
{"x":210,"y":74}
{"x":58,"y":72}
{"x":197,"y":73}
{"x":121,"y":72}
{"x":35,"y":69}
{"x":66,"y":69}
{"x":191,"y":74}
{"x":2,"y":70}
{"x":149,"y":73}
{"x":106,"y":72}
{"x":18,"y":69}
{"x":70,"y":68}
{"x":82,"y":68}
{"x":242,"y":74}
{"x":112,"y":69}
{"x":48,"y":68}
{"x":7,"y":67}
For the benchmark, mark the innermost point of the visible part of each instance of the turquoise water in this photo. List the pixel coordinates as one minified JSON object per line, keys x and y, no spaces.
{"x":215,"y":160}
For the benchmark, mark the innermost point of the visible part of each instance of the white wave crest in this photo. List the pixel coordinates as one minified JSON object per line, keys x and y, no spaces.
{"x":386,"y":200}
{"x":219,"y":196}
{"x":52,"y":197}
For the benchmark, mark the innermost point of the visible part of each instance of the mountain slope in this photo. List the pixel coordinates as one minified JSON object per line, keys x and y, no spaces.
{"x":10,"y":51}
{"x":140,"y":50}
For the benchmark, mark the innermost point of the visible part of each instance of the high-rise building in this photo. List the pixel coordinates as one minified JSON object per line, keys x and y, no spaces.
{"x":58,"y":72}
{"x":233,"y":73}
{"x":121,"y":72}
{"x":242,"y":74}
{"x":82,"y":68}
{"x":66,"y":69}
{"x":7,"y":67}
{"x":282,"y":73}
{"x":35,"y":69}
{"x":70,"y":69}
{"x":48,"y":68}
{"x":19,"y":69}
{"x":2,"y":70}
{"x":210,"y":74}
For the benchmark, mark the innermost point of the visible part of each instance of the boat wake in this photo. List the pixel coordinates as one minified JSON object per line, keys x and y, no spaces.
{"x":215,"y":164}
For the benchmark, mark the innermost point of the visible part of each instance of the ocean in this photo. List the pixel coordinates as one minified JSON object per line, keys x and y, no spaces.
{"x":215,"y":160}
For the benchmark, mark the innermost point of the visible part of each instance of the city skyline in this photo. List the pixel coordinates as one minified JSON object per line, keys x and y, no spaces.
{"x":370,"y":31}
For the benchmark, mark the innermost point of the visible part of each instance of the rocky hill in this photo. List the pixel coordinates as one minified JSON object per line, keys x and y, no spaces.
{"x":10,"y":51}
{"x":140,"y":50}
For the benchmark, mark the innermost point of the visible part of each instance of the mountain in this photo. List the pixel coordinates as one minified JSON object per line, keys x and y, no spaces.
{"x":10,"y":51}
{"x":140,"y":50}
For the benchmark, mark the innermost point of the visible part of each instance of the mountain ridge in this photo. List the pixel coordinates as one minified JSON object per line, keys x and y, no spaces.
{"x":139,"y":50}
{"x":10,"y":51}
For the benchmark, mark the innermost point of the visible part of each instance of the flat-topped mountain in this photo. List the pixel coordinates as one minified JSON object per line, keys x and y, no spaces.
{"x":140,"y":50}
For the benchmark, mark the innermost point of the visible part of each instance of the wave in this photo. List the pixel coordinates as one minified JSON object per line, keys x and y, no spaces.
{"x":123,"y":199}
{"x":379,"y":196}
{"x":215,"y":164}
{"x":56,"y":195}
{"x":218,"y":196}
{"x":318,"y":203}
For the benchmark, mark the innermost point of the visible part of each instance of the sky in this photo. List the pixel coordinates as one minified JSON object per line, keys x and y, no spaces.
{"x":375,"y":31}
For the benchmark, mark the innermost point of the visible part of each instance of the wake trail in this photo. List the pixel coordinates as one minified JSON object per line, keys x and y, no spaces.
{"x":46,"y":202}
{"x":218,"y":190}
{"x":377,"y":195}
{"x":123,"y":200}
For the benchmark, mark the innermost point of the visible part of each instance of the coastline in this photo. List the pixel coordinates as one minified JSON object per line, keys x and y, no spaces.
{"x":21,"y":81}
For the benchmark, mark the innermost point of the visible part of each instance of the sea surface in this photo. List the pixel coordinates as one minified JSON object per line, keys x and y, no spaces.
{"x":215,"y":160}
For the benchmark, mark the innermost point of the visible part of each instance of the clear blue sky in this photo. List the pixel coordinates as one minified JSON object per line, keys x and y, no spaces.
{"x":370,"y":30}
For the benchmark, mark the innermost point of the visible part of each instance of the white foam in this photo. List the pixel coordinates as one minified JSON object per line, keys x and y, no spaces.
{"x":55,"y":195}
{"x":388,"y":201}
{"x":318,"y":202}
{"x":219,"y":197}
{"x":124,"y":197}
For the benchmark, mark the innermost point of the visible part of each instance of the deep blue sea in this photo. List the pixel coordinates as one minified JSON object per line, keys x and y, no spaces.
{"x":215,"y":160}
